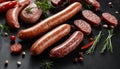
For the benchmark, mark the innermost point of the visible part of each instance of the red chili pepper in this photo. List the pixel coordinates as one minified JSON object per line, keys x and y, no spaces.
{"x":87,"y":45}
{"x":2,"y":1}
{"x":7,"y":5}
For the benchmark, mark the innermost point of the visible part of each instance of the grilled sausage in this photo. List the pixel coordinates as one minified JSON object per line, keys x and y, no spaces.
{"x":31,"y":16}
{"x":12,"y":14}
{"x":83,"y":26}
{"x":91,"y":17}
{"x":110,"y":19}
{"x":68,"y":46}
{"x":94,"y":3}
{"x":50,"y":22}
{"x":50,"y":38}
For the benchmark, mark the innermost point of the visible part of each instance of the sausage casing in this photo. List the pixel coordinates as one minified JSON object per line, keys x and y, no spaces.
{"x":50,"y":22}
{"x":50,"y":38}
{"x":68,"y":46}
{"x":13,"y":13}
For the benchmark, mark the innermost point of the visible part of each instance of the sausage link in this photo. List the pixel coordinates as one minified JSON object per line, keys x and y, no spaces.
{"x":12,"y":14}
{"x":50,"y":22}
{"x":50,"y":38}
{"x":68,"y":46}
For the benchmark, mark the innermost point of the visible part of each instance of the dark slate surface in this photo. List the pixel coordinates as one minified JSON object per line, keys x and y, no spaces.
{"x":96,"y":61}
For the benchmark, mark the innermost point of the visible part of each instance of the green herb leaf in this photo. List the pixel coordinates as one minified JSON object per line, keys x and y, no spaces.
{"x":47,"y":64}
{"x":92,"y":48}
{"x":28,"y":10}
{"x":86,"y":5}
{"x":44,"y":5}
{"x":108,"y":43}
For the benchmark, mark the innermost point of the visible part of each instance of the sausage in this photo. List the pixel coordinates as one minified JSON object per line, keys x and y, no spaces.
{"x":83,"y":26}
{"x":94,"y":3}
{"x":7,"y":5}
{"x":91,"y":17}
{"x":110,"y":19}
{"x":68,"y":46}
{"x":12,"y":14}
{"x":31,"y":16}
{"x":50,"y":22}
{"x":50,"y":38}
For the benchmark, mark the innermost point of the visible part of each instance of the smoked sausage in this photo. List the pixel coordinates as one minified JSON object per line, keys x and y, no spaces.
{"x":110,"y":19}
{"x":68,"y":46}
{"x":50,"y":38}
{"x":13,"y":13}
{"x":83,"y":26}
{"x":91,"y":17}
{"x":50,"y":22}
{"x":31,"y":16}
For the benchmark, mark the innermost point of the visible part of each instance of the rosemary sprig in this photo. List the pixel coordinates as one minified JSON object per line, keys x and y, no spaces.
{"x":108,"y":43}
{"x":44,"y":5}
{"x":3,"y":28}
{"x":47,"y":64}
{"x":92,"y":48}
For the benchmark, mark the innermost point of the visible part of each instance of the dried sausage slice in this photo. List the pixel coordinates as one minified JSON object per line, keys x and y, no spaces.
{"x":83,"y":26}
{"x":110,"y":19}
{"x":91,"y":17}
{"x":16,"y":48}
{"x":31,"y":16}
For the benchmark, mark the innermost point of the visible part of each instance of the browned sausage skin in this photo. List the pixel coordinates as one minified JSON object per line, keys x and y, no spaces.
{"x":110,"y":19}
{"x":83,"y":26}
{"x":50,"y":38}
{"x":94,"y":3}
{"x":31,"y":16}
{"x":68,"y":46}
{"x":50,"y":22}
{"x":91,"y":17}
{"x":12,"y":14}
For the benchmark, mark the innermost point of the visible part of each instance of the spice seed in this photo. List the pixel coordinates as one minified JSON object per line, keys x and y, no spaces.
{"x":81,"y":58}
{"x":116,"y":12}
{"x":6,"y":62}
{"x":18,"y":63}
{"x":23,"y":54}
{"x":75,"y":60}
{"x":6,"y":34}
{"x":110,"y":4}
{"x":105,"y":26}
